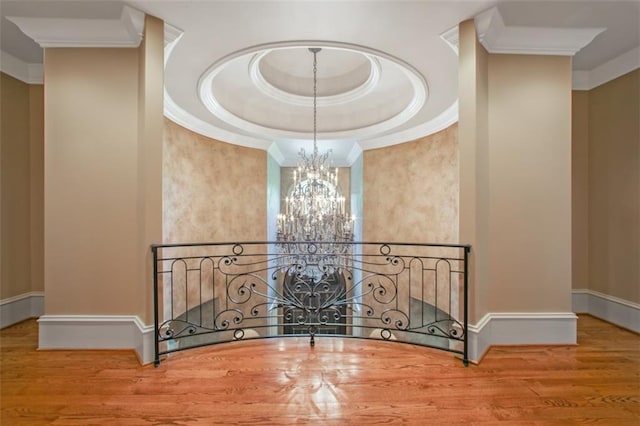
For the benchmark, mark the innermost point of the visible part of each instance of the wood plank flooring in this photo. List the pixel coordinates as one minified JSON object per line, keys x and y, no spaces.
{"x":339,"y":381}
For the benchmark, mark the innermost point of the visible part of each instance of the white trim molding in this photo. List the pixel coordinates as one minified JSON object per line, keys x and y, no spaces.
{"x":616,"y":67}
{"x":618,"y":311}
{"x":97,"y":332}
{"x":515,"y":328}
{"x":23,"y":71}
{"x":497,"y":37}
{"x":125,"y":31}
{"x":21,"y":307}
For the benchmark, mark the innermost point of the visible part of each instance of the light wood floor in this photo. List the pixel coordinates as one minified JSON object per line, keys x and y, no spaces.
{"x":340,"y":381}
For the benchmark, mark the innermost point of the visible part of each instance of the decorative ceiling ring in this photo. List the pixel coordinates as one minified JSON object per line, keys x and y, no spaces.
{"x":274,"y":92}
{"x":413,"y":79}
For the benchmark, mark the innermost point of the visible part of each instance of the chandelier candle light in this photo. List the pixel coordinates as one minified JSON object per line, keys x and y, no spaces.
{"x":314,"y":209}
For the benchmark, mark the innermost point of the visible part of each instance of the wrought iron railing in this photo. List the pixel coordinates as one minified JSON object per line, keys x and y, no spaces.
{"x":220,"y":292}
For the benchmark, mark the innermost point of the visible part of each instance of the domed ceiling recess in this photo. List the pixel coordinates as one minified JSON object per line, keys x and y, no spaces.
{"x":267,"y":92}
{"x":241,"y":72}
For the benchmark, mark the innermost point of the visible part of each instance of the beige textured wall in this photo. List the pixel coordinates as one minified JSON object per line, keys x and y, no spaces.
{"x":21,"y":187}
{"x":213,"y":191}
{"x":149,"y":156}
{"x":474,"y":167}
{"x":411,"y":190}
{"x":91,"y":158}
{"x":530,"y":183}
{"x":515,"y":178}
{"x":580,"y":189}
{"x":614,"y":187}
{"x":36,"y":155}
{"x":16,"y":273}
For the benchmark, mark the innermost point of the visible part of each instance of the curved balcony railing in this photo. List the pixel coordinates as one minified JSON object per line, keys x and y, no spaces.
{"x":209,"y":293}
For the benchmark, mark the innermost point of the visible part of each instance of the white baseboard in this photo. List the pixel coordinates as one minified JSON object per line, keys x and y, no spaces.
{"x":21,"y":307}
{"x":97,"y":332}
{"x":547,"y":328}
{"x":128,"y":332}
{"x":609,"y":308}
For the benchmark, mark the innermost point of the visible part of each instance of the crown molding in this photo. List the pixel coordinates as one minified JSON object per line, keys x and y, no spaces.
{"x":447,"y":118}
{"x":276,"y":153}
{"x":179,"y":116}
{"x":497,"y":37}
{"x":618,"y":66}
{"x":172,"y":36}
{"x":125,"y":31}
{"x":175,"y":113}
{"x":452,"y":38}
{"x":354,"y":153}
{"x":23,"y":71}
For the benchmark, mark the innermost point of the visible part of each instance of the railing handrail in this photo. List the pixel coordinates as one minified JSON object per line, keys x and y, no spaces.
{"x":228,"y":243}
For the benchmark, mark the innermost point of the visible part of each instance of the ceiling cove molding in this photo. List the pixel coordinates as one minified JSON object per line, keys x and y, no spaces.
{"x":276,"y":153}
{"x":179,"y":116}
{"x":125,"y":31}
{"x":172,"y":36}
{"x":267,"y":88}
{"x":417,"y":81}
{"x":452,"y":38}
{"x":23,"y":71}
{"x":175,"y":113}
{"x":496,"y":37}
{"x":619,"y":66}
{"x":354,"y":153}
{"x":447,"y":118}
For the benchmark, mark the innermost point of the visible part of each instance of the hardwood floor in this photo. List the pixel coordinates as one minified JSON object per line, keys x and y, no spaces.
{"x":339,"y":381}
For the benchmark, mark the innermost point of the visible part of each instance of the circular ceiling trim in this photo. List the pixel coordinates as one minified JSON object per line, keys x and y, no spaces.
{"x":274,"y":92}
{"x":416,"y":80}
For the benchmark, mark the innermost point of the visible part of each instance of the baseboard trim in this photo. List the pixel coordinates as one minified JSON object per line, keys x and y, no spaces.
{"x":21,"y":307}
{"x":617,"y":311}
{"x":500,"y":329}
{"x":97,"y":332}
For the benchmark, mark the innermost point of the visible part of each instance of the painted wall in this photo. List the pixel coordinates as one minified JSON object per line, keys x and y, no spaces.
{"x":273,"y":197}
{"x":91,"y":130}
{"x":473,"y":139}
{"x":149,"y":155}
{"x":518,"y":179}
{"x":213,"y":191}
{"x":22,"y":186}
{"x":103,"y":109}
{"x":411,"y":190}
{"x":614,"y":187}
{"x":410,"y":195}
{"x":530,"y":183}
{"x":580,"y":189}
{"x":356,"y":196}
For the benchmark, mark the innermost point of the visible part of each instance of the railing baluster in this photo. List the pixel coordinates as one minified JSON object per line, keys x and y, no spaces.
{"x":387,"y":291}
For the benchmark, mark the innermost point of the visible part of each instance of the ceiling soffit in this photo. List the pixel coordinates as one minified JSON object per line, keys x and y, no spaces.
{"x":261,"y":96}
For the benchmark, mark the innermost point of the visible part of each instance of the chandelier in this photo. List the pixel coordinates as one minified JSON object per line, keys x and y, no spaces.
{"x":314,"y":209}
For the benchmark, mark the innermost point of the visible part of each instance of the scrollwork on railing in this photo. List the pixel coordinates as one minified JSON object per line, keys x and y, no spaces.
{"x":211,"y":293}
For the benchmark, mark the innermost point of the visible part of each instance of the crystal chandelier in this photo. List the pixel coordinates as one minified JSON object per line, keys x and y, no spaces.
{"x":314,"y":209}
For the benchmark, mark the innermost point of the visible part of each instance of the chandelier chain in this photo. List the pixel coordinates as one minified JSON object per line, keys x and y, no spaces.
{"x":315,"y":100}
